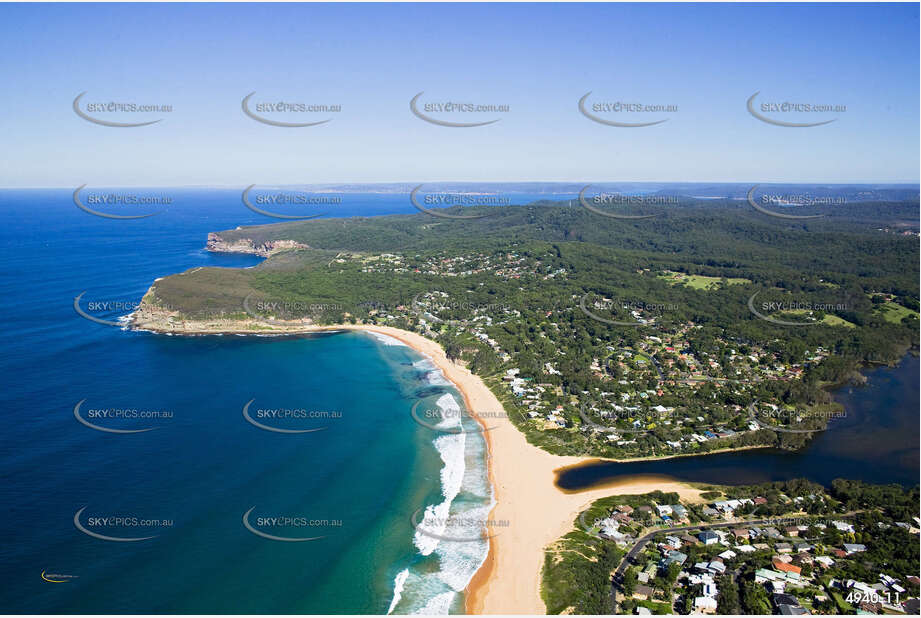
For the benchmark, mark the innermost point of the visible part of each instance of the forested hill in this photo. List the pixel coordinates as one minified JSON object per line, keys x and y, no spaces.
{"x":594,"y":312}
{"x":702,"y":236}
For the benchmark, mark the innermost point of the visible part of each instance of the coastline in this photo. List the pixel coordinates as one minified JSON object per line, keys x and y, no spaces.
{"x":522,"y":478}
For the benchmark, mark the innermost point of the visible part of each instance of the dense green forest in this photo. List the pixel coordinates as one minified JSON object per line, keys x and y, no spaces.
{"x":504,"y":291}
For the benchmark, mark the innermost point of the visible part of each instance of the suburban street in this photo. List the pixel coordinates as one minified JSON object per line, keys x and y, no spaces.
{"x":642,"y":541}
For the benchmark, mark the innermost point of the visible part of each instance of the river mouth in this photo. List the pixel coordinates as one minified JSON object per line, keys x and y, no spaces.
{"x":877,"y":442}
{"x":565,"y":477}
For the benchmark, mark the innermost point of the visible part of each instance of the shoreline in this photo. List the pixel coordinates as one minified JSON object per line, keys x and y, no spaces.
{"x":522,"y":477}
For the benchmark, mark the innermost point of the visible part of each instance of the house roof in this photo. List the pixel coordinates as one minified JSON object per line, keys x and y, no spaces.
{"x":780,"y":565}
{"x":643,"y":590}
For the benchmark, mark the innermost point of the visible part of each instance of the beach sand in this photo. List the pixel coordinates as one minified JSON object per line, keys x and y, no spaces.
{"x":522,"y":477}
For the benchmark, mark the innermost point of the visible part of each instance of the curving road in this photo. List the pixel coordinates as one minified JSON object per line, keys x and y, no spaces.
{"x":642,"y":541}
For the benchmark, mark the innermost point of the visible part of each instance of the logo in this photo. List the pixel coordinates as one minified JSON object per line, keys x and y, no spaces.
{"x":277,"y":414}
{"x":249,"y":204}
{"x":279,"y":521}
{"x":601,"y":319}
{"x":791,"y":416}
{"x":283,"y":107}
{"x":112,"y":106}
{"x":771,"y":213}
{"x":585,"y":527}
{"x":798,"y":307}
{"x":103,"y":306}
{"x":426,"y":417}
{"x":435,"y":213}
{"x":450,"y":107}
{"x":111,"y":521}
{"x":605,"y":213}
{"x":787,"y":107}
{"x":479,"y":527}
{"x":621,"y":107}
{"x":58,"y":578}
{"x":108,"y":413}
{"x":113,"y":199}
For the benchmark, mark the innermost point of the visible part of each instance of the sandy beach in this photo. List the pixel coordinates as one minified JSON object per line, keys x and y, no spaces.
{"x":522,"y":477}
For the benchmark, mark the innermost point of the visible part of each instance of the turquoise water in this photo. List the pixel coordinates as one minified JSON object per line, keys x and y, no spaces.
{"x":356,"y":482}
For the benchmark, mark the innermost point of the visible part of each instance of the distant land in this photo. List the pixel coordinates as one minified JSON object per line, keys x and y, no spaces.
{"x":734,"y":190}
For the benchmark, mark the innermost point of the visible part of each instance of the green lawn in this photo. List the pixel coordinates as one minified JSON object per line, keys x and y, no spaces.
{"x":701,"y":282}
{"x":894,"y":312}
{"x":830,"y":318}
{"x":833,"y":320}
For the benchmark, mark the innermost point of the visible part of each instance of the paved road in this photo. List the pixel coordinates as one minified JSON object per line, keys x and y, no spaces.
{"x":642,"y":541}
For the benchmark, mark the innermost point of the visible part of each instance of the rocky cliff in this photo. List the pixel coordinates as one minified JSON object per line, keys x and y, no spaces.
{"x":218,"y":244}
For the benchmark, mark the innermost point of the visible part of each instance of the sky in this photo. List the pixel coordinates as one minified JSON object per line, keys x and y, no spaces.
{"x":537,"y":59}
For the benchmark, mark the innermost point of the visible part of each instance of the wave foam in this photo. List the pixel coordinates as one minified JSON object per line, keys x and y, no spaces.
{"x":437,"y":605}
{"x":398,"y":583}
{"x":386,"y":339}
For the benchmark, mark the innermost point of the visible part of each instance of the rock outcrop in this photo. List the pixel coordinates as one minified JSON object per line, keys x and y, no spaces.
{"x":218,"y":244}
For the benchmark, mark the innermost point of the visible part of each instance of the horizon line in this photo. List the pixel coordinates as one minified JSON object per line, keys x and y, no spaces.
{"x":483,"y":182}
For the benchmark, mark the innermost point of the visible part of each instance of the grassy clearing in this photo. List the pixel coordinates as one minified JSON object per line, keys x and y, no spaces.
{"x":701,"y":282}
{"x":894,"y":312}
{"x":830,"y":319}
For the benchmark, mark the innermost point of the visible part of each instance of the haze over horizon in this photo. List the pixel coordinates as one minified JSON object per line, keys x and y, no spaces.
{"x":703,"y":62}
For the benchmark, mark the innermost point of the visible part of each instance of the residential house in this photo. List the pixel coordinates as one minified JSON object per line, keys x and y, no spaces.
{"x":708,"y":537}
{"x":785,"y":567}
{"x":642,"y":592}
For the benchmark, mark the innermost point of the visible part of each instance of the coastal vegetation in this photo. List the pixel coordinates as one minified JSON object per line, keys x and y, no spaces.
{"x":778,"y":547}
{"x":709,"y":327}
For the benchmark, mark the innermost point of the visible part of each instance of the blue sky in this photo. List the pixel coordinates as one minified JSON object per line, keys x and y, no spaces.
{"x":538,"y":59}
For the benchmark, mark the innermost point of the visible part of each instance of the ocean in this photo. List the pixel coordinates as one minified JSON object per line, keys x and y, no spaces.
{"x":376,"y":492}
{"x":381,"y":497}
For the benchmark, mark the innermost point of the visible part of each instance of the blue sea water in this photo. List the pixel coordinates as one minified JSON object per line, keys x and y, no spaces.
{"x":187,"y":483}
{"x":358,"y":482}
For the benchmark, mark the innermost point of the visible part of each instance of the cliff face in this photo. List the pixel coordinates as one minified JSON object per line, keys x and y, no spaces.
{"x":245,"y":245}
{"x":154,"y":315}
